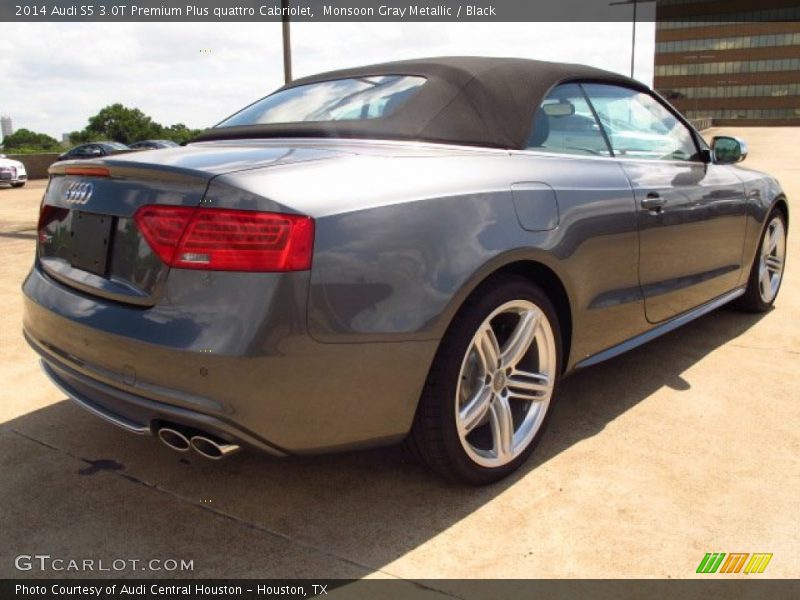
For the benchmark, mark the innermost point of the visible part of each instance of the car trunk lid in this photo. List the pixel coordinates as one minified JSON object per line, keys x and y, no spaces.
{"x":88,"y":238}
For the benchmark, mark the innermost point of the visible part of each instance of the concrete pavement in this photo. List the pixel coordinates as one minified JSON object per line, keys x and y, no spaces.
{"x":685,"y":446}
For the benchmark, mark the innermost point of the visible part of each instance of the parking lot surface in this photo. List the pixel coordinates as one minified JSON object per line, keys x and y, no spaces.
{"x":687,"y":445}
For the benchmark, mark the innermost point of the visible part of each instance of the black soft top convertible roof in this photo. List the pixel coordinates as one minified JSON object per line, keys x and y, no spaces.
{"x":466,"y":100}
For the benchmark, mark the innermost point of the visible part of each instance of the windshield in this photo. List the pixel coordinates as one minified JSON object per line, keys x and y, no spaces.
{"x":339,"y":100}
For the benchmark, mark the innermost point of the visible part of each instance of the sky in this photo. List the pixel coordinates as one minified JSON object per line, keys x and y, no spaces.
{"x":56,"y":75}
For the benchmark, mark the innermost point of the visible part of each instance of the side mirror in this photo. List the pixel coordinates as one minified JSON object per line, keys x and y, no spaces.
{"x":728,"y":150}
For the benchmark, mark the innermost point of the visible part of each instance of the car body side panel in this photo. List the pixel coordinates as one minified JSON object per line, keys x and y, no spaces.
{"x":594,"y":250}
{"x":761,"y":192}
{"x":691,"y":248}
{"x":404,"y":233}
{"x":411,"y":238}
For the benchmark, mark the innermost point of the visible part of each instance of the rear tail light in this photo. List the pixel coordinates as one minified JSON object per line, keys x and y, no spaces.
{"x":220,"y":239}
{"x":45,"y":210}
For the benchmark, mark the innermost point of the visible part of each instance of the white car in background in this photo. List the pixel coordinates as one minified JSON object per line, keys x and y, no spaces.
{"x":12,"y":171}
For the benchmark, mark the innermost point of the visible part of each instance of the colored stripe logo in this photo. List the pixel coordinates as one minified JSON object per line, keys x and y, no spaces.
{"x":735,"y":562}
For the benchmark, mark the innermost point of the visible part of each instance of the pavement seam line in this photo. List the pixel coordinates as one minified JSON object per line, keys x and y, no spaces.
{"x":224,"y":515}
{"x":759,"y":348}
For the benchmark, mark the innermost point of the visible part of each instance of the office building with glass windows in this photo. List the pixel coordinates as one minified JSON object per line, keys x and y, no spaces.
{"x":6,"y":128}
{"x":734,"y":61}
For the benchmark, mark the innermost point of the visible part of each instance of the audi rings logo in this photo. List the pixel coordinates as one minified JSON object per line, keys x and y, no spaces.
{"x":78,"y":192}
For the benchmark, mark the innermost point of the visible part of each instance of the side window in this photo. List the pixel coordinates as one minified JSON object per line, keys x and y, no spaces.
{"x":638,"y":126}
{"x":564,"y":123}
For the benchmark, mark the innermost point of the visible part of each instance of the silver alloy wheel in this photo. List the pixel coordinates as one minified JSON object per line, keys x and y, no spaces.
{"x":506,"y":383}
{"x":770,"y":264}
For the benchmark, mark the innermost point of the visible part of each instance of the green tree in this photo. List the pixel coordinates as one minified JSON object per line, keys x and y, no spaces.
{"x":179,"y":133}
{"x":27,"y":139}
{"x":127,"y":125}
{"x":82,"y":137}
{"x":121,"y":124}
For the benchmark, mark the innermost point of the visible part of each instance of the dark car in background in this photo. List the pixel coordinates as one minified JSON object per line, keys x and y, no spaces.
{"x":94,"y":150}
{"x":416,"y":251}
{"x":152,"y":145}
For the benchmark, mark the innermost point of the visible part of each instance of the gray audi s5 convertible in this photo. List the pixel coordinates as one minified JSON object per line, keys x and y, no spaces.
{"x":415,"y":251}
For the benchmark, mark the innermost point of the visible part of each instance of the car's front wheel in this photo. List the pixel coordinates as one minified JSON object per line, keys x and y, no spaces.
{"x":490,"y":390}
{"x":18,"y":185}
{"x":766,"y":272}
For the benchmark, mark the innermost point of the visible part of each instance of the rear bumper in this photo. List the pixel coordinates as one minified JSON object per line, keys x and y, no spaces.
{"x":249,"y":374}
{"x":136,"y":414}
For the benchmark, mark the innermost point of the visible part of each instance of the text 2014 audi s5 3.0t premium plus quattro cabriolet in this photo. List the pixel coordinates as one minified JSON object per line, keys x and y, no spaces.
{"x":415,"y":251}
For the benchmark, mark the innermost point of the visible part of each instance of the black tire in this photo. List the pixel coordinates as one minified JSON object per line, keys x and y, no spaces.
{"x":752,"y":301}
{"x":434,"y":437}
{"x":18,"y":185}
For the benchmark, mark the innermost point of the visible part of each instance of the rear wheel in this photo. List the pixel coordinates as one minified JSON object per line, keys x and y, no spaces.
{"x":489,"y":392}
{"x":766,"y":273}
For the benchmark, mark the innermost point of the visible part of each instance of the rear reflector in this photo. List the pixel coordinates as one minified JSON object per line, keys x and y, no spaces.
{"x":220,"y":239}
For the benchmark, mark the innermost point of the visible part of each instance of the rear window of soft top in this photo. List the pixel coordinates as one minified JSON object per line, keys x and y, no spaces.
{"x":356,"y":98}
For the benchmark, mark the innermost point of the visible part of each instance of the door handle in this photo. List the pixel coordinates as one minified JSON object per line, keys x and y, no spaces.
{"x":653,"y":202}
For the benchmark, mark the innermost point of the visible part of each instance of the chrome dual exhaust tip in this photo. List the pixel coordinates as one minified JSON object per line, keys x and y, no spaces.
{"x":174,"y":439}
{"x":211,"y":448}
{"x":204,"y":445}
